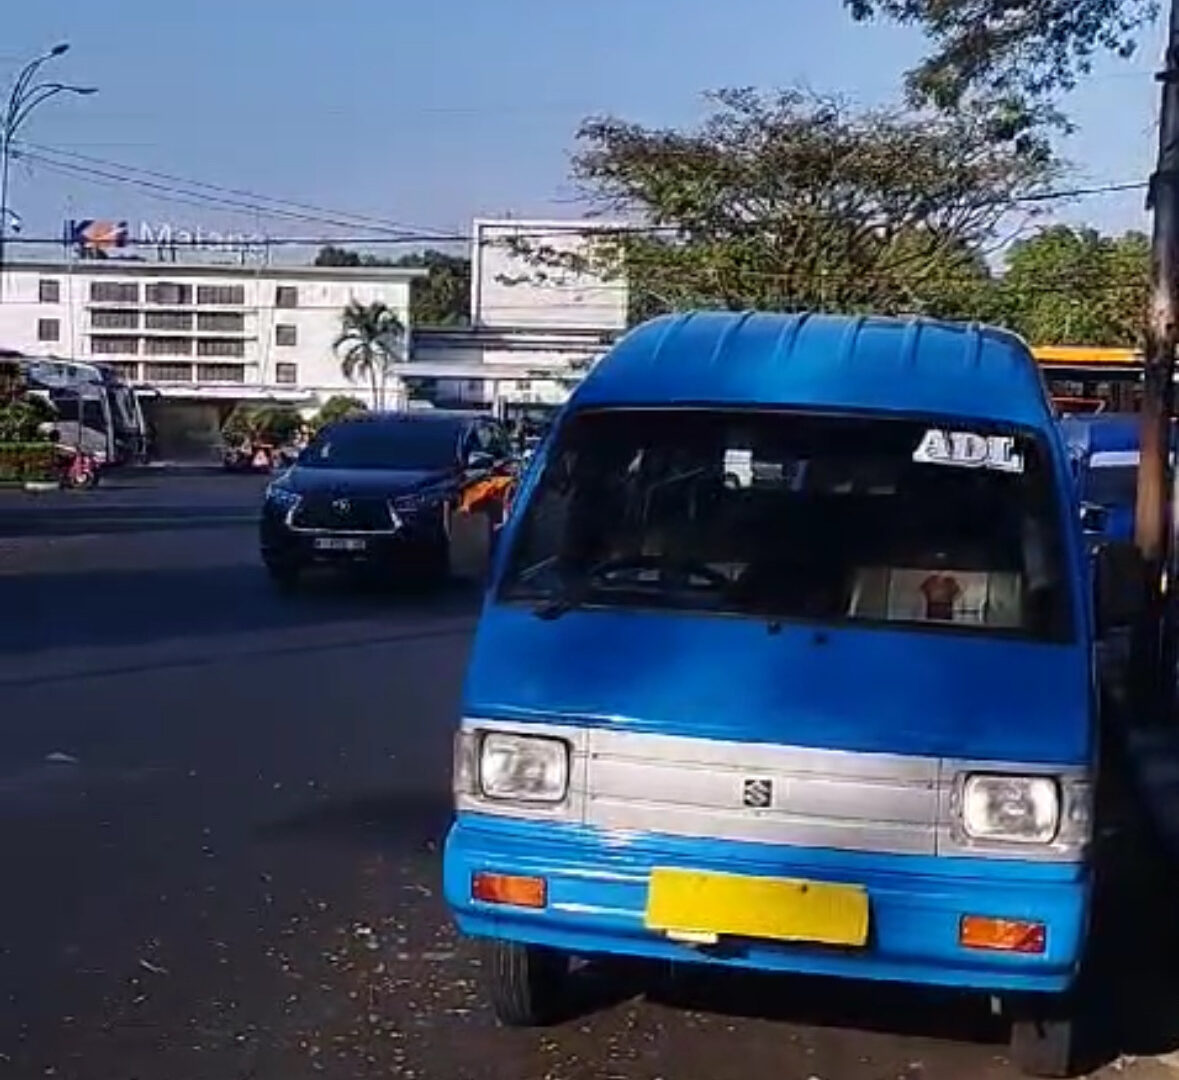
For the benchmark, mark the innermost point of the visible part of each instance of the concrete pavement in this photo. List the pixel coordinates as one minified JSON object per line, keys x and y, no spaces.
{"x":220,"y":818}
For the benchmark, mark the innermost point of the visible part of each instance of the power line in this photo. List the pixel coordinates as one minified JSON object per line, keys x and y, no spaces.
{"x":377,"y":222}
{"x":220,"y":201}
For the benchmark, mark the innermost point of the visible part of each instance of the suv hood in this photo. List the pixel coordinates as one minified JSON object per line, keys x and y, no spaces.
{"x":376,"y":482}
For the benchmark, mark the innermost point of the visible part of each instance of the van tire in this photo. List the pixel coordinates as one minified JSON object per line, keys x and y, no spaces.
{"x":1045,"y":1045}
{"x":527,"y":984}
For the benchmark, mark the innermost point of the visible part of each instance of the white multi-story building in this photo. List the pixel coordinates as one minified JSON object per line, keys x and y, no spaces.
{"x":203,"y":336}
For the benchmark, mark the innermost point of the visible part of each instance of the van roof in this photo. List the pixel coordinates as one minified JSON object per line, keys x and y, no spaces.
{"x":822,"y":361}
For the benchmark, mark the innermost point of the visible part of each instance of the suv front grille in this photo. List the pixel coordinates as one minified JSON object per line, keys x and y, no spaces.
{"x":344,"y":513}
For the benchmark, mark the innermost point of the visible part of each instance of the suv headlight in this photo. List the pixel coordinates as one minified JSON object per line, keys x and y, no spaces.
{"x":524,"y":768}
{"x":1017,"y":809}
{"x":282,"y":498}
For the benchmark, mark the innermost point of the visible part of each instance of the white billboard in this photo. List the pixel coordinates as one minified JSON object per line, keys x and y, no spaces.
{"x":511,"y":291}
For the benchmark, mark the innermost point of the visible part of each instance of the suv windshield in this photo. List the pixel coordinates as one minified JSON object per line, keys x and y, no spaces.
{"x":406,"y":444}
{"x":787,"y":515}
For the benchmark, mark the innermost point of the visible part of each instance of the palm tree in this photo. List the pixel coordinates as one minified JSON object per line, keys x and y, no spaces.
{"x":370,"y":339}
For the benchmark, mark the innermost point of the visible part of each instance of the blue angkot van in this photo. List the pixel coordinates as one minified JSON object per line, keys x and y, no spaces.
{"x":786,"y":663}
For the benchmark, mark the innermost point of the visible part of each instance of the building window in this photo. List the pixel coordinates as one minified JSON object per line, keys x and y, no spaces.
{"x":221,"y":347}
{"x":221,"y":322}
{"x":169,"y":292}
{"x":167,"y":372}
{"x":114,"y":292}
{"x":221,"y":295}
{"x":48,"y":329}
{"x":221,"y":373}
{"x":167,"y":346}
{"x":114,"y":320}
{"x":286,"y":296}
{"x":168,"y":320}
{"x":109,"y":345}
{"x":286,"y":334}
{"x":288,"y":374}
{"x":50,"y":291}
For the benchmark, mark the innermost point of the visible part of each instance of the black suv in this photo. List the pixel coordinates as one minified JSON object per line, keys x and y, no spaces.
{"x":380,"y":491}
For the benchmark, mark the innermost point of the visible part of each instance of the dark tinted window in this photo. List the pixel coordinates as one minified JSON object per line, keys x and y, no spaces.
{"x":787,"y":515}
{"x":1112,"y":485}
{"x":407,"y":444}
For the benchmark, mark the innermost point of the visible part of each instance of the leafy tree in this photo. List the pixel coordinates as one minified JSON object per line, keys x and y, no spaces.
{"x":370,"y":340}
{"x":442,"y":298}
{"x":794,"y":201}
{"x":261,"y":423}
{"x":336,"y":408}
{"x":23,"y":417}
{"x":1015,"y":53}
{"x":1069,"y":286}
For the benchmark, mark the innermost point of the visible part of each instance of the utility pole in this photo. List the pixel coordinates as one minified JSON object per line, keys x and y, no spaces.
{"x":1154,"y":639}
{"x":25,"y":96}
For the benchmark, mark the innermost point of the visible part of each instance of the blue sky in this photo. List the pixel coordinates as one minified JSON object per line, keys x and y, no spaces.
{"x":428,"y":114}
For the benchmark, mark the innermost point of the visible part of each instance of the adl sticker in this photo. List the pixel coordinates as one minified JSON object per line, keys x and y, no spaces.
{"x":969,"y":450}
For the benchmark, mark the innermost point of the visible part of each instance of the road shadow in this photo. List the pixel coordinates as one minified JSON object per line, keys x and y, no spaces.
{"x":405,"y":821}
{"x":133,"y":606}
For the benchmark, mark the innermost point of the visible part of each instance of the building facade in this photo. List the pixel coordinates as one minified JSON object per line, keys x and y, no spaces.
{"x":202,"y":336}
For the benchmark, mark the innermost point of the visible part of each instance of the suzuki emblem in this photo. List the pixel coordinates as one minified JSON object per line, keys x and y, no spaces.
{"x":758,"y":793}
{"x":341,"y":506}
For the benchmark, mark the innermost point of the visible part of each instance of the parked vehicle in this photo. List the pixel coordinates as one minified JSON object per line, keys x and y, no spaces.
{"x":1105,"y":452}
{"x":383,"y":491}
{"x":786,"y":663}
{"x":97,"y":411}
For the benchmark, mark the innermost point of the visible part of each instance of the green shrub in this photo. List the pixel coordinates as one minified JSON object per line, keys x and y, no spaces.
{"x":20,"y":418}
{"x":261,"y":423}
{"x":336,"y":408}
{"x":21,"y":461}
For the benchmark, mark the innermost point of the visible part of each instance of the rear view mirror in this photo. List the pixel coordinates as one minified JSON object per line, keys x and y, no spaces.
{"x":1120,"y":584}
{"x":478,"y":459}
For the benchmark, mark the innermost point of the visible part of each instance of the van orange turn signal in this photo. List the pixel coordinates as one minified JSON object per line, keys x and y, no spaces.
{"x":529,"y":892}
{"x":1002,"y":935}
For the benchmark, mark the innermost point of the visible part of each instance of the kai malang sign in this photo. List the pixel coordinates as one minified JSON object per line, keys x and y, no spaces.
{"x":95,"y":239}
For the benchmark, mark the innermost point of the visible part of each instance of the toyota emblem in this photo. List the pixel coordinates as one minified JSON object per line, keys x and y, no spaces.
{"x":341,"y":506}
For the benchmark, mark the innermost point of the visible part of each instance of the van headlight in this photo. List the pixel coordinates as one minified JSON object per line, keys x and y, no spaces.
{"x":523,"y":768}
{"x":1015,"y":809}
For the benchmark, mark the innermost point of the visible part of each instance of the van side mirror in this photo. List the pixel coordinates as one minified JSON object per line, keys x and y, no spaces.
{"x":1120,"y":584}
{"x":479,"y":460}
{"x":1094,"y":518}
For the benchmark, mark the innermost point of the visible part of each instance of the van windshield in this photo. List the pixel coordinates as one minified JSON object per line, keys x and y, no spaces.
{"x":788,"y":515}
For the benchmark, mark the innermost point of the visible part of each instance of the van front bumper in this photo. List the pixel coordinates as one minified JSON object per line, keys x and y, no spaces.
{"x":597,"y":891}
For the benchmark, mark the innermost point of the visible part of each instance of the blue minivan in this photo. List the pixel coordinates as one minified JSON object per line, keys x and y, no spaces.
{"x":786,"y":663}
{"x":1105,"y":452}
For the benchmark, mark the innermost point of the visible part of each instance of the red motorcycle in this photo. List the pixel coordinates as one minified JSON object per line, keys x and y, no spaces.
{"x":78,"y":469}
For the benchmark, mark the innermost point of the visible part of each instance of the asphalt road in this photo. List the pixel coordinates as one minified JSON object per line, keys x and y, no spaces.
{"x":220,"y":819}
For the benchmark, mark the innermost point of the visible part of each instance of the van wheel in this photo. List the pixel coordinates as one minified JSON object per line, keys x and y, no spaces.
{"x":528,"y":984}
{"x":1044,"y":1046}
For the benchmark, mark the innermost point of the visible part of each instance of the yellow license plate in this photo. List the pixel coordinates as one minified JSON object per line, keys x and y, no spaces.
{"x":690,"y":902}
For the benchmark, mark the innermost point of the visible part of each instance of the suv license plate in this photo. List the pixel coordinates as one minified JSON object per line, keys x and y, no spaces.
{"x":338,"y":543}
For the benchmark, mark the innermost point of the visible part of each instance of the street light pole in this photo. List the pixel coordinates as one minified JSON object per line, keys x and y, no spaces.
{"x":25,"y":96}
